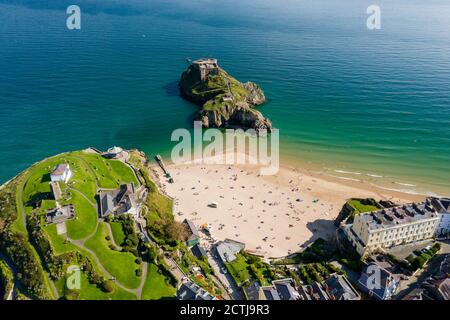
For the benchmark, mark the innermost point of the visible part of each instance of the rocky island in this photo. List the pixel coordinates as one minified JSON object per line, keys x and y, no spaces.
{"x":225,"y":102}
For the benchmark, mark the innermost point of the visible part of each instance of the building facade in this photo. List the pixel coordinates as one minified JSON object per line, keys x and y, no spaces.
{"x":62,"y":172}
{"x":391,"y":227}
{"x":442,"y":206}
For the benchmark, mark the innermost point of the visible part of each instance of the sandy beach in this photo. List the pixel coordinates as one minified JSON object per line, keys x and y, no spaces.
{"x":273,"y":215}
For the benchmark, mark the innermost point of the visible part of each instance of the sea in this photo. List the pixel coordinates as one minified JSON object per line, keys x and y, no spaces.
{"x":350,"y":101}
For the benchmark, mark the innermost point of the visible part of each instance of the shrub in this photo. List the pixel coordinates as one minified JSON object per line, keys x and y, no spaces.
{"x":138,"y":261}
{"x":108,"y":286}
{"x":138,"y":272}
{"x":108,"y":238}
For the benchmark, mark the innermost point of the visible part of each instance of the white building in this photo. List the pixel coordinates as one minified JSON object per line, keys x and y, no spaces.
{"x":391,"y":227}
{"x":442,"y":206}
{"x":62,"y":172}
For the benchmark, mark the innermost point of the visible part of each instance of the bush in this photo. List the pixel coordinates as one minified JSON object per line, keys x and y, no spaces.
{"x":108,"y":238}
{"x":108,"y":286}
{"x":138,"y":261}
{"x":138,"y":272}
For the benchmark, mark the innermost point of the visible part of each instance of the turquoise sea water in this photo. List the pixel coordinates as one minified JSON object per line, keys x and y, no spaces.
{"x":360,"y":104}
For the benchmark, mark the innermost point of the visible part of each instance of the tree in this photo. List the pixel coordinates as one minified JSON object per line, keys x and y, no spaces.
{"x":108,"y":286}
{"x":175,"y":230}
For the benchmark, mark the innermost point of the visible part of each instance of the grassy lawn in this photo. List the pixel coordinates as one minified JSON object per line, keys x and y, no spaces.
{"x":156,"y":285}
{"x":120,"y":264}
{"x":85,"y":217}
{"x":57,"y":241}
{"x":361,"y":207}
{"x":89,"y":291}
{"x":239,"y":269}
{"x":110,"y":173}
{"x":117,"y":232}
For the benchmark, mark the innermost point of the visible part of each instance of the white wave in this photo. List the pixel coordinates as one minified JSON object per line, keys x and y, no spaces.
{"x":345,"y":178}
{"x":407,"y":191}
{"x":374,"y":175}
{"x":405,"y":184}
{"x":346,"y":172}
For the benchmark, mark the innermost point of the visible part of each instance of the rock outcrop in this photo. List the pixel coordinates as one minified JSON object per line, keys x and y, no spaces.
{"x":225,"y":102}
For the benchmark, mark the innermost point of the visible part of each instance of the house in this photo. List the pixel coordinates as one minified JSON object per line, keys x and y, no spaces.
{"x":378,"y":282}
{"x":391,"y":227}
{"x":417,"y":294}
{"x":436,"y":286}
{"x":442,"y":206}
{"x":56,"y":190}
{"x":268,"y":293}
{"x":120,"y":201}
{"x":280,"y":290}
{"x":60,"y":214}
{"x":199,"y":252}
{"x":314,"y":291}
{"x":339,"y":288}
{"x":252,"y":290}
{"x":190,"y":291}
{"x":439,"y":289}
{"x":193,"y":235}
{"x":228,"y":249}
{"x":62,"y":173}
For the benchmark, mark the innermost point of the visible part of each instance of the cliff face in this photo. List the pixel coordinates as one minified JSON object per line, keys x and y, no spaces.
{"x":239,"y":115}
{"x":225,"y":102}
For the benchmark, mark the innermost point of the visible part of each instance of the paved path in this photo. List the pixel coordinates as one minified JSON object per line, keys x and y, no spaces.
{"x":111,"y":235}
{"x":226,"y":279}
{"x":81,"y":245}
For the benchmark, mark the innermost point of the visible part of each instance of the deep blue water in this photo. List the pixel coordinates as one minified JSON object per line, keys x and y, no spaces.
{"x":344,"y":97}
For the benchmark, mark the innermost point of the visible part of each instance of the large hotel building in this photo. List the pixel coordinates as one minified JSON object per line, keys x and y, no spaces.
{"x":390,"y":227}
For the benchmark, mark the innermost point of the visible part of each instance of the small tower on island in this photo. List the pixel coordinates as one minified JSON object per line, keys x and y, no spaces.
{"x":206,"y":67}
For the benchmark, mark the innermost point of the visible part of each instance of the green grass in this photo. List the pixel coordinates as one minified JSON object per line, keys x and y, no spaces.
{"x":239,"y":269}
{"x":119,"y":264}
{"x":117,"y":232}
{"x":360,"y":207}
{"x":109,"y":173}
{"x":85,"y":217}
{"x":156,"y":285}
{"x":90,"y":291}
{"x":58,"y":244}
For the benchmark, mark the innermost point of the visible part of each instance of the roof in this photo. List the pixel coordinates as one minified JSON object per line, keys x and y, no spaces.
{"x":339,"y":288}
{"x":270,"y":293}
{"x":442,"y":205}
{"x":190,"y":291}
{"x":378,"y":286}
{"x":314,"y":291}
{"x":117,"y":201}
{"x":252,"y":290}
{"x":228,"y":249}
{"x":193,"y":232}
{"x":60,"y":169}
{"x":107,"y":203}
{"x":115,"y":150}
{"x":198,"y":251}
{"x":444,"y":288}
{"x":286,"y":289}
{"x":405,"y":214}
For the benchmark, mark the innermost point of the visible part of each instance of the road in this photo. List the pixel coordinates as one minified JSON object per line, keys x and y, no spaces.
{"x":414,"y":281}
{"x":226,"y":279}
